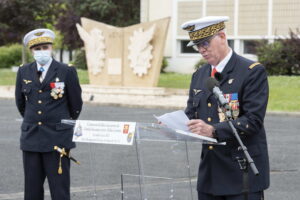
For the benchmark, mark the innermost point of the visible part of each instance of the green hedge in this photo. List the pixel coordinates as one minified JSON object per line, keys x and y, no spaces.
{"x":200,"y":63}
{"x":282,"y":57}
{"x":11,"y":55}
{"x":79,"y":60}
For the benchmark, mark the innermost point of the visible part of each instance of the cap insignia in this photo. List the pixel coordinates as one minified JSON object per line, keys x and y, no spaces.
{"x":190,"y":28}
{"x":39,"y":33}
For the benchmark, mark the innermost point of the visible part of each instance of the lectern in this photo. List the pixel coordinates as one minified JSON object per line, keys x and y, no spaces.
{"x":156,"y":166}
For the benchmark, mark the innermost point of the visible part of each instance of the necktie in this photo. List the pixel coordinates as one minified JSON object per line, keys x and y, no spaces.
{"x":40,"y":73}
{"x":213,"y":71}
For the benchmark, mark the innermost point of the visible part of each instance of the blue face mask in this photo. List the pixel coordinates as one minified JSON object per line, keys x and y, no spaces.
{"x":42,"y":56}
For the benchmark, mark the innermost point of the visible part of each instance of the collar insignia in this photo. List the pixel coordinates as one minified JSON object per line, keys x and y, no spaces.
{"x":196,"y":91}
{"x":27,"y":81}
{"x":230,"y":81}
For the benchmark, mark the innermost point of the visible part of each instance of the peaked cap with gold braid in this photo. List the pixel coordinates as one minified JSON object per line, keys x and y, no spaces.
{"x":202,"y":29}
{"x":38,"y":36}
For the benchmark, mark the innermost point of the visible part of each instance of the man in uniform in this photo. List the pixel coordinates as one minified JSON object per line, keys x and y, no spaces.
{"x":245,"y":85}
{"x":46,"y":92}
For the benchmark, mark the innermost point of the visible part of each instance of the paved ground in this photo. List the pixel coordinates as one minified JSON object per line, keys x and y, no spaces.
{"x":110,"y":161}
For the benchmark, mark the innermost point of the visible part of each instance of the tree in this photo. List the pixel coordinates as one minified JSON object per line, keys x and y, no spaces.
{"x":114,"y":12}
{"x":17,"y":17}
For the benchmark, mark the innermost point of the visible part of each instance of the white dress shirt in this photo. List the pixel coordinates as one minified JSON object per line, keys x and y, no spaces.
{"x":220,"y":67}
{"x":46,"y":67}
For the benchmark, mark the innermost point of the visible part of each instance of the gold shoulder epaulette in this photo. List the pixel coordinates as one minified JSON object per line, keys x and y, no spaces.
{"x":21,"y":65}
{"x":70,"y":65}
{"x":253,"y":65}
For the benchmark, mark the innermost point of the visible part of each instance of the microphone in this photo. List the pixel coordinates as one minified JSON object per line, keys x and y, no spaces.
{"x":218,"y":76}
{"x":213,"y":86}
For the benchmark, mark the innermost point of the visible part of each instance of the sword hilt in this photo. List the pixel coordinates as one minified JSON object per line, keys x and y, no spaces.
{"x":64,"y":153}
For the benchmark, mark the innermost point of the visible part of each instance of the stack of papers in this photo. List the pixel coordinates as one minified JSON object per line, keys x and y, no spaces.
{"x":178,"y":120}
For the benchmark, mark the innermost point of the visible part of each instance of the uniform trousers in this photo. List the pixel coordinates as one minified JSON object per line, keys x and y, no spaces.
{"x":38,"y":166}
{"x":251,"y":196}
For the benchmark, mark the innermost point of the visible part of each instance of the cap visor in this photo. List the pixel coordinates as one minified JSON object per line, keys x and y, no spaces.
{"x":40,"y":44}
{"x":190,"y":44}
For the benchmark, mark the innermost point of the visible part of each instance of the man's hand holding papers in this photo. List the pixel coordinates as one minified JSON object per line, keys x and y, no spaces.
{"x":199,"y":127}
{"x":178,"y":121}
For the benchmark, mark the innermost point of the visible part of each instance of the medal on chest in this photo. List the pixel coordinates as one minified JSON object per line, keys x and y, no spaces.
{"x":57,"y":89}
{"x":233,"y":102}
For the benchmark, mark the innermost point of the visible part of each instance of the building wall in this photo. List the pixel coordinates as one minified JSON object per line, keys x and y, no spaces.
{"x":249,"y":20}
{"x":286,"y":15}
{"x":253,"y":17}
{"x":222,"y":7}
{"x":157,"y":9}
{"x":187,"y":11}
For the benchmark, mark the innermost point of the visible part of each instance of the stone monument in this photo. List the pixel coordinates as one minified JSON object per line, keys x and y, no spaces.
{"x":129,"y":56}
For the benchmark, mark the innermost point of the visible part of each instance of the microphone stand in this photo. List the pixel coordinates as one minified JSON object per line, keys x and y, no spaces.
{"x":244,"y":163}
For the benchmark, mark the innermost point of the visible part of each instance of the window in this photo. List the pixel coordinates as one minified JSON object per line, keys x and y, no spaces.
{"x":250,"y":46}
{"x":185,"y":49}
{"x":231,"y":43}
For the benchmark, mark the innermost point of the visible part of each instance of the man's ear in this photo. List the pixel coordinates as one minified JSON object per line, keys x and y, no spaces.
{"x":222,"y":35}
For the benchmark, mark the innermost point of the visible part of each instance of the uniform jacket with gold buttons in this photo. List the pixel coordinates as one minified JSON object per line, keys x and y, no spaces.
{"x":219,"y":172}
{"x":42,"y":129}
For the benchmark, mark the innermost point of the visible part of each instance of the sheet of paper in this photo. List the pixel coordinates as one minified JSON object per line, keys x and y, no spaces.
{"x":204,"y":138}
{"x":177,"y":120}
{"x":174,"y":120}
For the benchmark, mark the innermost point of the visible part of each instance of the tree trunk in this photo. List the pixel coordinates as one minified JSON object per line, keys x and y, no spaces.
{"x":24,"y":59}
{"x":70,"y":55}
{"x":61,"y":58}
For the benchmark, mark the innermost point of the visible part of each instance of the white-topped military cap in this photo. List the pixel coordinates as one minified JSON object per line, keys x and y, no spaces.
{"x":202,"y":29}
{"x":38,"y":36}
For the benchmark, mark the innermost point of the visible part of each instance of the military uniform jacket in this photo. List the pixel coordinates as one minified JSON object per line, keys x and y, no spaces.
{"x":42,"y":129}
{"x":219,"y":172}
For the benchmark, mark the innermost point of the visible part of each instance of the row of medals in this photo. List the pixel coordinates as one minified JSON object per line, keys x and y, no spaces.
{"x":57,"y":92}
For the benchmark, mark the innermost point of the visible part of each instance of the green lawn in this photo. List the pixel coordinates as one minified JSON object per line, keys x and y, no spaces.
{"x":284,"y":90}
{"x":7,"y":77}
{"x":284,"y":93}
{"x":173,"y":80}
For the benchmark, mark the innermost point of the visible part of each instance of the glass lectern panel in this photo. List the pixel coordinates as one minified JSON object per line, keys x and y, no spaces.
{"x":155,"y":167}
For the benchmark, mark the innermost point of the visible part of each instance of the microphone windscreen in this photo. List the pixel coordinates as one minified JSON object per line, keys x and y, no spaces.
{"x":211,"y":83}
{"x":39,"y":73}
{"x":218,"y":76}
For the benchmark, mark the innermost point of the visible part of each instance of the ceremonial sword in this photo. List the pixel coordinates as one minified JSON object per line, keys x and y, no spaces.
{"x":64,"y":153}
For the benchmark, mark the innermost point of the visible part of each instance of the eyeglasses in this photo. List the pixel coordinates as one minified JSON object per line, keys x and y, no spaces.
{"x":205,"y":44}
